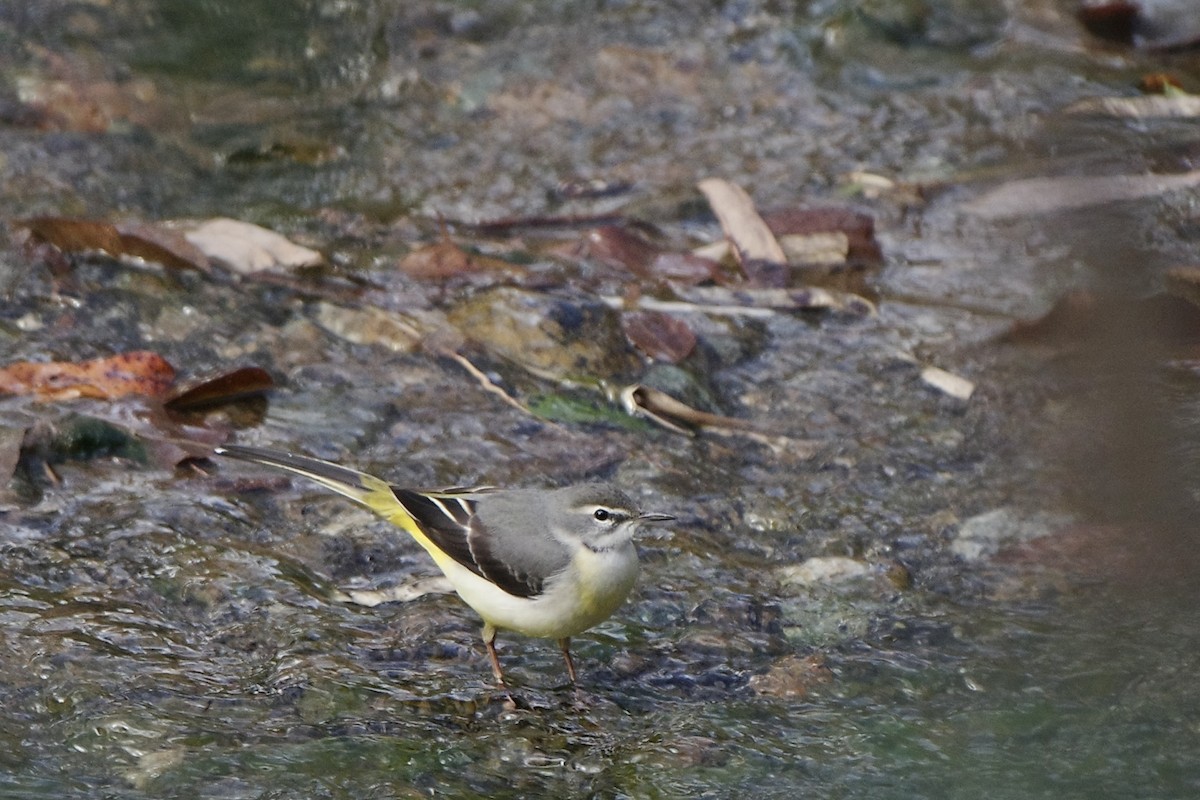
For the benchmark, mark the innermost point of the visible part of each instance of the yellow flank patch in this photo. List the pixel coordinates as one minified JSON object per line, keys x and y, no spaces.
{"x":380,"y":498}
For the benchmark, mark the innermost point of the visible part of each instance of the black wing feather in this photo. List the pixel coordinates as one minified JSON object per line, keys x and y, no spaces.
{"x":451,"y":522}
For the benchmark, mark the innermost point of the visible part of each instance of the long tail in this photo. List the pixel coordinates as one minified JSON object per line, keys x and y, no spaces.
{"x":372,"y":492}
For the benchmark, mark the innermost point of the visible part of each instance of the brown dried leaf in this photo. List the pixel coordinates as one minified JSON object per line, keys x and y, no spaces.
{"x":138,"y":239}
{"x":752,"y":239}
{"x":74,"y":235}
{"x":660,"y":336}
{"x":229,"y":387}
{"x":139,"y":372}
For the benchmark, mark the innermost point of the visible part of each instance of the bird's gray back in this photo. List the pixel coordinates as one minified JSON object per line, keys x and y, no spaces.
{"x":518,"y":532}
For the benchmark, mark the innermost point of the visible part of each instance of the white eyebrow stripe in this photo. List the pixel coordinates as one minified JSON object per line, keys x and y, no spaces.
{"x":618,"y":514}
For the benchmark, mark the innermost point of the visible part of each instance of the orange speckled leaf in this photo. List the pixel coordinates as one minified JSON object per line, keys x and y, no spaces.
{"x":138,"y":372}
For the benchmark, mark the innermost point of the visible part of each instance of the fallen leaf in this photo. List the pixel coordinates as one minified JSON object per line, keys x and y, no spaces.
{"x":229,"y":387}
{"x":74,"y":235}
{"x":139,"y":372}
{"x":577,"y":409}
{"x":741,"y":223}
{"x":135,"y":239}
{"x":246,"y":248}
{"x":1034,"y":196}
{"x":660,"y":336}
{"x":675,"y":415}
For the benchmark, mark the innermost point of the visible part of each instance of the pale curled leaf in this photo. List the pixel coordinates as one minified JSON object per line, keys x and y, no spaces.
{"x":741,"y":222}
{"x":246,"y":248}
{"x":674,"y":415}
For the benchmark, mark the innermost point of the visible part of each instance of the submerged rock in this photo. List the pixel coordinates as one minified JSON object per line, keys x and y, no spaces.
{"x":550,"y":335}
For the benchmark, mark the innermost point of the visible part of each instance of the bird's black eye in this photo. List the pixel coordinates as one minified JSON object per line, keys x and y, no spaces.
{"x":602,"y":514}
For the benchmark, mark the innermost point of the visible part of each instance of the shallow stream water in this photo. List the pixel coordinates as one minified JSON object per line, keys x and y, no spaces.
{"x":1022,"y":620}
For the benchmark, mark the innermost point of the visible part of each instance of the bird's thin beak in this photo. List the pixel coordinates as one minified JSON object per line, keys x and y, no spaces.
{"x":652,"y":517}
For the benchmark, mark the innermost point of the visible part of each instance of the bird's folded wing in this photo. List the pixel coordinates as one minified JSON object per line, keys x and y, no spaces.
{"x":450,"y":521}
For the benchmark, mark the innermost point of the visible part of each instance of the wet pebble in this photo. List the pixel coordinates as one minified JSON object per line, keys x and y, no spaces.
{"x":824,"y":569}
{"x":548,"y":335}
